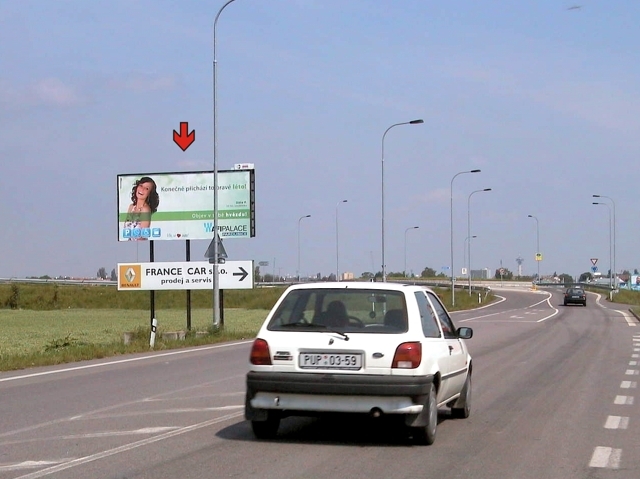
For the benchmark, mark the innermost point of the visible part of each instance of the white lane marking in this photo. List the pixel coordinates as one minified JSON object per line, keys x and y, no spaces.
{"x":127,"y":447}
{"x":635,"y":355}
{"x":616,"y":422}
{"x":628,"y":384}
{"x":163,"y":411}
{"x":626,"y":400}
{"x":631,"y":372}
{"x":633,"y":363}
{"x":636,"y":349}
{"x":122,"y":361}
{"x":555,"y":310}
{"x":147,"y":430}
{"x":505,"y":312}
{"x":29,"y":465}
{"x":606,"y":457}
{"x":628,"y":317}
{"x":502,"y":299}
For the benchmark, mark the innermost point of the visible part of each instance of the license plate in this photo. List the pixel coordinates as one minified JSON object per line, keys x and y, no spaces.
{"x":348,"y":361}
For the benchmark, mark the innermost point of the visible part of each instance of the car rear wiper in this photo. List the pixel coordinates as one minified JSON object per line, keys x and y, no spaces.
{"x":313,"y":326}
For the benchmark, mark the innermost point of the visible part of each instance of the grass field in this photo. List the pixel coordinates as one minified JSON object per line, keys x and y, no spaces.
{"x":46,"y":324}
{"x":23,"y":331}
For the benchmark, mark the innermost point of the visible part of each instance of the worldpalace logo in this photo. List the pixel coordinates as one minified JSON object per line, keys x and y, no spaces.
{"x":129,"y":276}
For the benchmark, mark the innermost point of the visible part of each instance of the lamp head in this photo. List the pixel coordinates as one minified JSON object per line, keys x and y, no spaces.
{"x":475,"y":171}
{"x":416,"y":122}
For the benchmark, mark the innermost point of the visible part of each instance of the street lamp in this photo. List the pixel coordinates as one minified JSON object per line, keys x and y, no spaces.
{"x":299,"y":220}
{"x":465,"y":250}
{"x":469,"y":229}
{"x":614,"y":235}
{"x":337,"y":257}
{"x":611,"y":268}
{"x":453,"y":292}
{"x":405,"y":248}
{"x":538,"y":258}
{"x":216,"y":287}
{"x":412,"y":122}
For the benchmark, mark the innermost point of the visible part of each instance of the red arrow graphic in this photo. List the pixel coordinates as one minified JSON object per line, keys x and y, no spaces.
{"x":184,"y":140}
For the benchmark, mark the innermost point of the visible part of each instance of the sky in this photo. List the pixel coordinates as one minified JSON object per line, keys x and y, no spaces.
{"x":542,"y":97}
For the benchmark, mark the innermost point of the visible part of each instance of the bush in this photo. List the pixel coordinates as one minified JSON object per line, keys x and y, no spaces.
{"x":14,"y":297}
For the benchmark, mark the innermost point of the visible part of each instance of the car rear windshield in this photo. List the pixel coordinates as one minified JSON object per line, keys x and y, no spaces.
{"x":341,"y":309}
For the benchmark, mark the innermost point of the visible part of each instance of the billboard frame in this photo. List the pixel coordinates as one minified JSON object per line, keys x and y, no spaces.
{"x":156,"y":233}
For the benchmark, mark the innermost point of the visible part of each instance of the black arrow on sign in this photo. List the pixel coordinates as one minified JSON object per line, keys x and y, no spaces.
{"x":244,"y":273}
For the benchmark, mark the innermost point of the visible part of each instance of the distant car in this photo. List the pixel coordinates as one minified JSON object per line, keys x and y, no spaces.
{"x":358,"y":347}
{"x":575,"y":296}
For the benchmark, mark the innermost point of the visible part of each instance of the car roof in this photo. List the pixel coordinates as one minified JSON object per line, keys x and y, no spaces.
{"x":367,"y":285}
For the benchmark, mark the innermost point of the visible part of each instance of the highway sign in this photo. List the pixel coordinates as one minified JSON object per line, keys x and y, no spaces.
{"x":594,"y":261}
{"x":594,"y":268}
{"x":184,"y":275}
{"x":501,"y":271}
{"x":538,"y":256}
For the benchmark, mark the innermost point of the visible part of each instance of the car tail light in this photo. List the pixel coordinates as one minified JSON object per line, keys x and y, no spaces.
{"x":408,"y":356}
{"x":260,"y":353}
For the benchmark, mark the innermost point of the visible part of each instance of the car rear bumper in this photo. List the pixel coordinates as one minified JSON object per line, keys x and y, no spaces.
{"x":335,"y":393}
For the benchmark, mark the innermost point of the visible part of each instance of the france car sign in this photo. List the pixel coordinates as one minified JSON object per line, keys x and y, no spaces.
{"x":184,"y":275}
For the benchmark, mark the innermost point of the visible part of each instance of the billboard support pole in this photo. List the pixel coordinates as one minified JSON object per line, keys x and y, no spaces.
{"x":188,"y":258}
{"x":152,"y":296}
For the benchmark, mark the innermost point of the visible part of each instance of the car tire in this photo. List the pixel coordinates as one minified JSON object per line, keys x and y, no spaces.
{"x":267,"y":429}
{"x":426,"y":435}
{"x":465,"y":397}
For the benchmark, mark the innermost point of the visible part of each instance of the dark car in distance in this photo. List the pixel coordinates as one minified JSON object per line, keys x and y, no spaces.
{"x":575,"y":296}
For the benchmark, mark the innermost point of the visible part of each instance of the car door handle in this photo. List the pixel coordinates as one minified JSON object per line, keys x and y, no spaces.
{"x":450,"y":350}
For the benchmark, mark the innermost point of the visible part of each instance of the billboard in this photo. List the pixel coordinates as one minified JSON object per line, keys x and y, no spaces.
{"x":179,"y":206}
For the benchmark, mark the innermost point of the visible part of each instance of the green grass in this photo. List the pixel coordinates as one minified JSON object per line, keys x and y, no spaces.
{"x":39,"y":338}
{"x":55,"y":324}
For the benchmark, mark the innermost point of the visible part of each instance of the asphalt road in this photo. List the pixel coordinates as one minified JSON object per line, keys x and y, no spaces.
{"x":554,"y":397}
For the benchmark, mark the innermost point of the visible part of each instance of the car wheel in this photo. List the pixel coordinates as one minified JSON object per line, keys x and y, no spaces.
{"x":465,"y":399}
{"x":266,"y":429}
{"x":426,"y":434}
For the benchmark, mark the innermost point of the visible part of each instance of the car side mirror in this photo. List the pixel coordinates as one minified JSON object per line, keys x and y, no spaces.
{"x":464,"y":333}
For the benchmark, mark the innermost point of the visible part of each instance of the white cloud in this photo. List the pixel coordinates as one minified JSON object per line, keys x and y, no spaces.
{"x":142,"y":82}
{"x":45,"y":92}
{"x":52,"y":91}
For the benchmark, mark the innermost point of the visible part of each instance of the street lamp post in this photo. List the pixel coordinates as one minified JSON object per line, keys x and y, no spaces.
{"x":615,"y":271}
{"x":537,"y":243}
{"x":453,"y":291}
{"x":611,"y":267}
{"x":412,"y":122}
{"x":216,"y":287}
{"x":465,"y":251}
{"x":469,"y":230}
{"x":404,"y":272}
{"x":299,"y":220}
{"x":337,"y":256}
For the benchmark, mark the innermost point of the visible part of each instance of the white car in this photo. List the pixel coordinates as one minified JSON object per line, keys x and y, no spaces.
{"x":358,"y":347}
